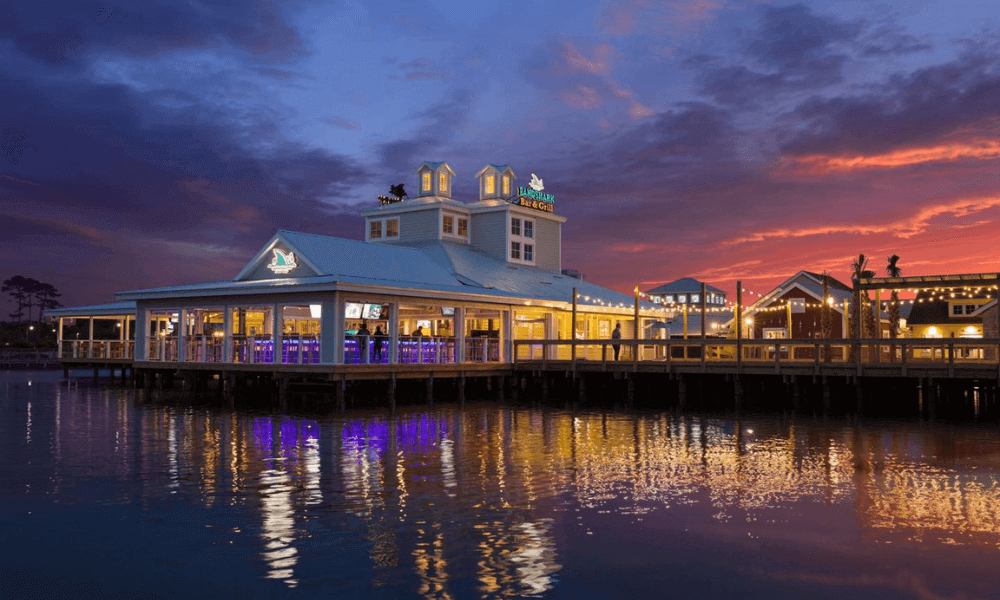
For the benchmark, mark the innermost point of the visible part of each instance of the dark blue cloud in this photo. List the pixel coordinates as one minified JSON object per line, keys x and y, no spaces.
{"x":793,"y":50}
{"x":908,"y":109}
{"x":61,"y":33}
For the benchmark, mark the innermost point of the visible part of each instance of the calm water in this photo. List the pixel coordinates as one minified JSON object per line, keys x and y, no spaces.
{"x":104,"y":497}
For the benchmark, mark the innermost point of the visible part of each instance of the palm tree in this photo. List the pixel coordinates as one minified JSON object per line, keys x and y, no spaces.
{"x":861,"y":325}
{"x":893,"y":270}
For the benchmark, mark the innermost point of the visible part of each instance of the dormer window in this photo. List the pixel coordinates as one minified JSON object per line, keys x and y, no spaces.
{"x":375,"y":230}
{"x":425,"y":182}
{"x":443,"y":181}
{"x":463,"y":227}
{"x":495,"y":181}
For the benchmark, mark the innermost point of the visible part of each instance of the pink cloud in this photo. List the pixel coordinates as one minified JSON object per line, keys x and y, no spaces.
{"x":598,"y":65}
{"x":582,"y":97}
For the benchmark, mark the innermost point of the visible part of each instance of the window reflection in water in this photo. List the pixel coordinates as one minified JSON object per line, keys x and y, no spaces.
{"x":419,"y":482}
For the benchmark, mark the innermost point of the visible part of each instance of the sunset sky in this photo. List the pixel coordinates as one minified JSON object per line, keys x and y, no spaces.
{"x":164,"y":142}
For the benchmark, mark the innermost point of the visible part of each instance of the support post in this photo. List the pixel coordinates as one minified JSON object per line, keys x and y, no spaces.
{"x":738,"y":323}
{"x":636,"y":334}
{"x":227,"y":338}
{"x":459,"y":335}
{"x":572,"y":330}
{"x":788,"y":316}
{"x":182,"y":335}
{"x":703,"y":311}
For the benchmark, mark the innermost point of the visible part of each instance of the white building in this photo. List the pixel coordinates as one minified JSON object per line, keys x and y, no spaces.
{"x":436,"y":280}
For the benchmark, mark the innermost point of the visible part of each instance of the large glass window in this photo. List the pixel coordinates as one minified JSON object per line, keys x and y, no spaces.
{"x":366,"y":332}
{"x":300,"y":334}
{"x":162,"y":333}
{"x":252,"y":340}
{"x":205,"y":334}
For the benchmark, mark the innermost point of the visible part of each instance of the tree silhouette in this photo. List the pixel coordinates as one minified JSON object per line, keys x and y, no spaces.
{"x":893,"y":270}
{"x":28,"y":293}
{"x":398,"y":193}
{"x":862,"y":324}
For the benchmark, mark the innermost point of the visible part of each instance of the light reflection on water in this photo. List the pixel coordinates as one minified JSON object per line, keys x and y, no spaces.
{"x":490,"y":501}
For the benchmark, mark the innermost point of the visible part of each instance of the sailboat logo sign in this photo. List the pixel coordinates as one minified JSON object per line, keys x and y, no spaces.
{"x":282,"y":262}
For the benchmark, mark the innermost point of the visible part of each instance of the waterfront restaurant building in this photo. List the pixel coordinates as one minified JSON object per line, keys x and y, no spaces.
{"x":436,"y":280}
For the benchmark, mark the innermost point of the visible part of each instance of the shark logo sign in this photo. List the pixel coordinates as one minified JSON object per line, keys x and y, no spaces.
{"x":536,"y":183}
{"x":282,"y":262}
{"x":533,"y":196}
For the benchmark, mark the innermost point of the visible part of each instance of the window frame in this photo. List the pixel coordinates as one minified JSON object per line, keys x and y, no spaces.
{"x":490,"y":185}
{"x":526,"y":244}
{"x":448,"y":224}
{"x":392,"y":232}
{"x":426,"y":182}
{"x":375,"y":229}
{"x":515,"y":250}
{"x":462,"y":227}
{"x":528,"y":228}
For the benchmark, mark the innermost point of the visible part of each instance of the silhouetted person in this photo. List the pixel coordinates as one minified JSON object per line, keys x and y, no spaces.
{"x":616,"y":335}
{"x":379,"y":341}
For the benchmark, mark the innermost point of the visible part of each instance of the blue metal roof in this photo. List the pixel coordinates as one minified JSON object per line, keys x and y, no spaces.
{"x":437,"y":266}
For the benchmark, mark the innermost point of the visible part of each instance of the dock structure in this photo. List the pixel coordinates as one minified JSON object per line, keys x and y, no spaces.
{"x":447,"y":290}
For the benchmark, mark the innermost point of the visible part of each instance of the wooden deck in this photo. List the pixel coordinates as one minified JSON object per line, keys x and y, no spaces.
{"x":951,"y":358}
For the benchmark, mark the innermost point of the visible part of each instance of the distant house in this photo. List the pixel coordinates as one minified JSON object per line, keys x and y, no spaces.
{"x":684,"y":296}
{"x":767,"y":318}
{"x":938,"y":314}
{"x":687,"y":291}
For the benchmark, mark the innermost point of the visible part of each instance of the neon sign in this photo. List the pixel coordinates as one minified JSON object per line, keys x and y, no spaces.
{"x":533,"y":196}
{"x":282,"y":262}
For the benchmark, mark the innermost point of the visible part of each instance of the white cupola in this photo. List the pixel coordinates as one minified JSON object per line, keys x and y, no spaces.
{"x":435,"y":179}
{"x":496,"y":181}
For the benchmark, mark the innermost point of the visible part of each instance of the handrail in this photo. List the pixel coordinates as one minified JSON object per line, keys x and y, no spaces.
{"x":858,"y":353}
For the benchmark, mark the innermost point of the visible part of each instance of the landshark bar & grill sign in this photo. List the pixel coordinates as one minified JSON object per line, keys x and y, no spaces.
{"x":534,"y":197}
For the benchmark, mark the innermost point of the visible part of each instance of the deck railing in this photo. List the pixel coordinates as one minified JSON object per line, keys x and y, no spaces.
{"x":779,"y":352}
{"x":97,"y":349}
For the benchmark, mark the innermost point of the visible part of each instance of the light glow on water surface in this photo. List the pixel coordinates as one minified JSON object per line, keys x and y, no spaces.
{"x":492,"y":501}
